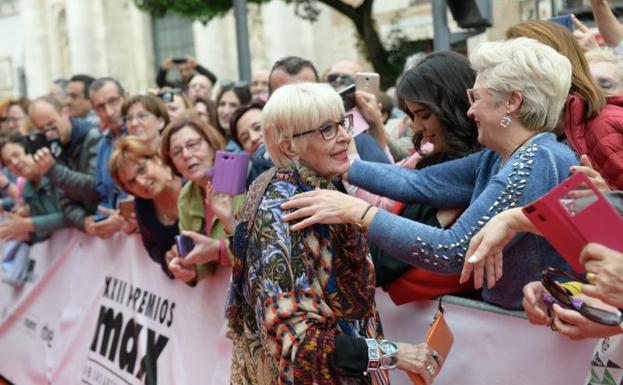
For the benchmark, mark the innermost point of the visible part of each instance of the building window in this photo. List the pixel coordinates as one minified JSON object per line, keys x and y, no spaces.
{"x":8,"y":8}
{"x":173,"y":37}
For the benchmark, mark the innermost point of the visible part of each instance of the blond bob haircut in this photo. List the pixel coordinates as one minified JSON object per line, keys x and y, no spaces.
{"x":537,"y":71}
{"x":129,"y":150}
{"x":296,"y":108}
{"x":606,"y":55}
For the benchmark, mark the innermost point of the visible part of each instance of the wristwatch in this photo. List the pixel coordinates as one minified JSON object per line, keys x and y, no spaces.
{"x":389,"y":354}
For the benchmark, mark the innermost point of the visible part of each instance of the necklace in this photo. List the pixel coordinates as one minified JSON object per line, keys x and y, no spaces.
{"x":517,"y":148}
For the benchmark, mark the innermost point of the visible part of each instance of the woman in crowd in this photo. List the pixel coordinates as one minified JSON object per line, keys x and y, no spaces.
{"x":301,"y":306}
{"x":17,"y":116}
{"x":433,"y":95}
{"x":177,"y":104}
{"x":516,"y":100}
{"x":607,"y":70}
{"x":136,"y":167}
{"x":592,"y":124}
{"x":189,"y":147}
{"x":245,"y":126}
{"x":206,"y":110}
{"x":230,"y":96}
{"x":145,"y":116}
{"x":39,"y":196}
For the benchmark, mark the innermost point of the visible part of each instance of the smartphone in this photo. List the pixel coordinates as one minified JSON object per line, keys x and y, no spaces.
{"x":230,"y":172}
{"x":348,"y":97}
{"x":368,"y":82}
{"x":126,"y":208}
{"x":179,"y":60}
{"x":184,"y":245}
{"x":564,"y":20}
{"x":100,"y":217}
{"x":36,"y":141}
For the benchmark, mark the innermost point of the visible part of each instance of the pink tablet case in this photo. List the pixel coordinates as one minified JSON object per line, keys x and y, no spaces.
{"x":570,"y":224}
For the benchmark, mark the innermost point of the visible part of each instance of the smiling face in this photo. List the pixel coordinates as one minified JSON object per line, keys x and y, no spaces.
{"x":227,"y":104}
{"x":143,"y":123}
{"x":107,"y":103}
{"x":329,"y":158}
{"x":145,"y":178}
{"x":427,"y":124}
{"x":487,"y":113}
{"x":16,"y":159}
{"x":249,"y":131}
{"x":191,"y":154}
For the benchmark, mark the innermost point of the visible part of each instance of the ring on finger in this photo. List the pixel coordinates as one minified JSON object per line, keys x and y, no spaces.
{"x":430,"y":368}
{"x":591,"y":278}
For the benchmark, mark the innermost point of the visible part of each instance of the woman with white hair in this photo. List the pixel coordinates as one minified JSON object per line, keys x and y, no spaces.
{"x":519,"y":92}
{"x":301,"y":307}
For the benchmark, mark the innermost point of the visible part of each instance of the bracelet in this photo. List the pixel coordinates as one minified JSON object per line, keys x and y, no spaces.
{"x":373,"y":355}
{"x":359,"y":224}
{"x":6,"y":186}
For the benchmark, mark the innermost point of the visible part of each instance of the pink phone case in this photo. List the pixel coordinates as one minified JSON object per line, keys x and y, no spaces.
{"x":570,"y":224}
{"x":359,"y":123}
{"x":230,"y":172}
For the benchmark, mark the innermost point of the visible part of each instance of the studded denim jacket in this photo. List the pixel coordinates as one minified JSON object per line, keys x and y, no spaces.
{"x":485,"y":187}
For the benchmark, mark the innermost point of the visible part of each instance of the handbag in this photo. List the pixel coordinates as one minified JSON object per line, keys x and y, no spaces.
{"x":439,"y":338}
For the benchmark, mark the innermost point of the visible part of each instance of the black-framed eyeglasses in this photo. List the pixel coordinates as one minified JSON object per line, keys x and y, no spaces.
{"x":560,"y":295}
{"x":329,"y":130}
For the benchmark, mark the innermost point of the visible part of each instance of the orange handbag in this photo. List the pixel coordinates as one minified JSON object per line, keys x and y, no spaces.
{"x":439,"y":338}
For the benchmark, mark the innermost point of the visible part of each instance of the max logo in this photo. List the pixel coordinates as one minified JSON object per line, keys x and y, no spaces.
{"x":120,"y":341}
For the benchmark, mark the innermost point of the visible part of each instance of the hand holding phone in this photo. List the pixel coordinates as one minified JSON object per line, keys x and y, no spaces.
{"x":36,"y":141}
{"x":368,"y":82}
{"x":184,"y":245}
{"x":126,"y":208}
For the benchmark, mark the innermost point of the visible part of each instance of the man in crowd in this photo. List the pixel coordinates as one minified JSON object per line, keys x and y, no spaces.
{"x":187,"y":67}
{"x":78,"y":99}
{"x":72,"y":170}
{"x":107,"y":96}
{"x":259,"y":84}
{"x":200,"y":87}
{"x":289,"y":70}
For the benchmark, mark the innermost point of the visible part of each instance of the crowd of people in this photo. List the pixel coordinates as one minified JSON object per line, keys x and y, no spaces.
{"x":424,"y":200}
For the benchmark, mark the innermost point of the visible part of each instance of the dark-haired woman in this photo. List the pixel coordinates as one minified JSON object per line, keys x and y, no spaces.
{"x":231,"y":96}
{"x":433,"y":95}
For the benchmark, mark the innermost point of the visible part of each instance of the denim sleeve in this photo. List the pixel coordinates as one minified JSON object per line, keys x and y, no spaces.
{"x":519,"y":182}
{"x":429,"y":186}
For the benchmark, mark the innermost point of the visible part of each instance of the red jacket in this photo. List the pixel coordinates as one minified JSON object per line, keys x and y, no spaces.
{"x":601,"y":138}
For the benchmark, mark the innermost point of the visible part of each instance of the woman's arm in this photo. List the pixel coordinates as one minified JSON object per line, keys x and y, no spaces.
{"x":428,"y":186}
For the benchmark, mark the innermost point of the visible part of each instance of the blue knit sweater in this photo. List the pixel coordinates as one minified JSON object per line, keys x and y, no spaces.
{"x":485,"y":186}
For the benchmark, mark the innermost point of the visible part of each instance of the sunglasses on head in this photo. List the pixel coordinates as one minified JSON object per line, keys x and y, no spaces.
{"x":561,"y":296}
{"x":238,"y":84}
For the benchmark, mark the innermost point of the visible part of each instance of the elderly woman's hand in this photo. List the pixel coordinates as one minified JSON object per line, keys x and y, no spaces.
{"x":606,"y":268}
{"x":484,"y":255}
{"x":533,"y":304}
{"x":327,"y":207}
{"x":420,"y":359}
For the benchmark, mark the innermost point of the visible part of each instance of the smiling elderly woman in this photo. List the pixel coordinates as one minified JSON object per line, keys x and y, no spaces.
{"x":301,"y":307}
{"x":519,"y":92}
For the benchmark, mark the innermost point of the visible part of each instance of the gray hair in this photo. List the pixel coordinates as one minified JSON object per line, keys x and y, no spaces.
{"x":293,"y":109}
{"x":537,"y":71}
{"x":99,"y":83}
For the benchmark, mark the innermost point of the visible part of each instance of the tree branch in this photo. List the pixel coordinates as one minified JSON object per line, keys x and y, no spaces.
{"x":342,"y":8}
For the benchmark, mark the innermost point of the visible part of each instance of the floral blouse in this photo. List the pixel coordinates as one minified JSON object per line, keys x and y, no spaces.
{"x":292,"y":293}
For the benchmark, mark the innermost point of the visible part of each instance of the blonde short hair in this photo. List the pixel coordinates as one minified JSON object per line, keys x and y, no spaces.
{"x":293,"y":109}
{"x":537,"y":71}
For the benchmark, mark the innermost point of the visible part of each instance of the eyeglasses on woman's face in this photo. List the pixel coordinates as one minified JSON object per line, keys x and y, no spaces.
{"x":193,"y":146}
{"x":330,"y":130}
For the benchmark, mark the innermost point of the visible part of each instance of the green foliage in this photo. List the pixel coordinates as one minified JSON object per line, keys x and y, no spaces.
{"x":203,"y":10}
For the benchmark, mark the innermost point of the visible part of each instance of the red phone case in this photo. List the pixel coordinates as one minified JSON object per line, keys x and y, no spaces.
{"x":230,"y":172}
{"x":570,"y":224}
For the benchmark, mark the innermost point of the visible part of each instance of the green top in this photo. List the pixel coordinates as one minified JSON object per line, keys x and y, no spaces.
{"x":191,"y":208}
{"x":45,"y":210}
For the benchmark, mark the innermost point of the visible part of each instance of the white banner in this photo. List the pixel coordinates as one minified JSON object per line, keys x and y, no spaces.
{"x":102,"y":313}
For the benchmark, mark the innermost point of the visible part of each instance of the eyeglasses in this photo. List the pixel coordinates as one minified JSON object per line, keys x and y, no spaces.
{"x":560,"y":295}
{"x":329,"y":130}
{"x":192,"y":146}
{"x":113,"y":102}
{"x":141,"y":117}
{"x":337,"y":79}
{"x":238,"y":84}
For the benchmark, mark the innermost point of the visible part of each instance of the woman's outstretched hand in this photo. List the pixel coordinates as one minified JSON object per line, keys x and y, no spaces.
{"x":326,"y":207}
